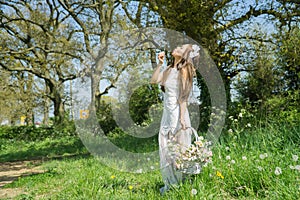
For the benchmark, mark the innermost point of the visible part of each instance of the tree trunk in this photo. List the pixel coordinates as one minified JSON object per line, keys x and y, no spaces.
{"x":46,"y":112}
{"x":29,"y":117}
{"x":59,"y":110}
{"x":95,"y":81}
{"x":46,"y":106}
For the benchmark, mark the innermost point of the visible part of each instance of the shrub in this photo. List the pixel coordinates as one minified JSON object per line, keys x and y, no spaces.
{"x":32,"y":133}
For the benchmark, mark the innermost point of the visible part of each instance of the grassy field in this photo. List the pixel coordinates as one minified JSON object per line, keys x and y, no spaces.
{"x":256,"y":163}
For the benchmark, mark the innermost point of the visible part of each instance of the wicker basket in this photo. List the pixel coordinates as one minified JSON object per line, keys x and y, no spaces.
{"x":191,"y":159}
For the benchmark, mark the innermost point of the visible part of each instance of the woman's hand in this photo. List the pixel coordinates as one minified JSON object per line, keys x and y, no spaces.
{"x":157,"y":75}
{"x":161,"y":57}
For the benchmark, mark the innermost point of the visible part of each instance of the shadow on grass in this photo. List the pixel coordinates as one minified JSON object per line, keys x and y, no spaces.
{"x":13,"y":170}
{"x":135,"y":144}
{"x":52,"y":150}
{"x":8,"y":175}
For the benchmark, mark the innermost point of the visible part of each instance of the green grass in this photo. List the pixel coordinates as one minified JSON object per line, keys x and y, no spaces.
{"x":249,"y":176}
{"x":11,"y":150}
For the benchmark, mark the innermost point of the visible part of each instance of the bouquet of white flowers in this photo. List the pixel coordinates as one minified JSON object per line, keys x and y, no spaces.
{"x":191,"y":159}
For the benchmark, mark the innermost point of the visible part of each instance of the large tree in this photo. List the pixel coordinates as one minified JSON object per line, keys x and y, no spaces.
{"x":38,"y":40}
{"x":94,"y":20}
{"x":222,"y":27}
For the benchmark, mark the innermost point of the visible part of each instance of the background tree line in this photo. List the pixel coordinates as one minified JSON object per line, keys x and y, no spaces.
{"x":47,"y":43}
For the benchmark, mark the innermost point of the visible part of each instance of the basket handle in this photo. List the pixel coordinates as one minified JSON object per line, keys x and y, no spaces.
{"x":195,"y":133}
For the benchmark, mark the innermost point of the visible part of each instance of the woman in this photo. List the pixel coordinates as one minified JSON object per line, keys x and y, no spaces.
{"x":176,"y":82}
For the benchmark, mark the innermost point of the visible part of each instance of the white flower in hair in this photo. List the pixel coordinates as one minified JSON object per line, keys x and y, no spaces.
{"x":195,"y":51}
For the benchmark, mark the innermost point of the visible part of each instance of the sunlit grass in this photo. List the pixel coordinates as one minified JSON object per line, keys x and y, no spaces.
{"x":258,"y":163}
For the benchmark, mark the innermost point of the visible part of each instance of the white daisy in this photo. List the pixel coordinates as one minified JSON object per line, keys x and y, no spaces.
{"x":295,"y":157}
{"x":278,"y":171}
{"x":193,"y":191}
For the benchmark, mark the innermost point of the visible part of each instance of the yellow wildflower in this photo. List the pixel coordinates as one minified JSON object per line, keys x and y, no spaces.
{"x":220,"y":175}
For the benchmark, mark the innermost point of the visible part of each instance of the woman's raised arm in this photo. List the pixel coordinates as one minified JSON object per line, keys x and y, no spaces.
{"x":157,"y":74}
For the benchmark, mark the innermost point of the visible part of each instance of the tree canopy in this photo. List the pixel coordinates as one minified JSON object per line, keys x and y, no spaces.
{"x":52,"y":42}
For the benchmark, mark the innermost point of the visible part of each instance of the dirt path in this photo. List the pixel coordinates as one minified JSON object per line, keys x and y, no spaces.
{"x":10,"y":171}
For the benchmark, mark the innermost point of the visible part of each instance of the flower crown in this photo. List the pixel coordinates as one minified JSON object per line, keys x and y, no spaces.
{"x":195,"y":51}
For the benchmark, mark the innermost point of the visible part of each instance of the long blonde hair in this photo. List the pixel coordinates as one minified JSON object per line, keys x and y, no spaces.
{"x":186,"y":73}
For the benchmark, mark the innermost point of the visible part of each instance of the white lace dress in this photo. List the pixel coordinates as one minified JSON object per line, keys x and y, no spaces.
{"x":170,"y":124}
